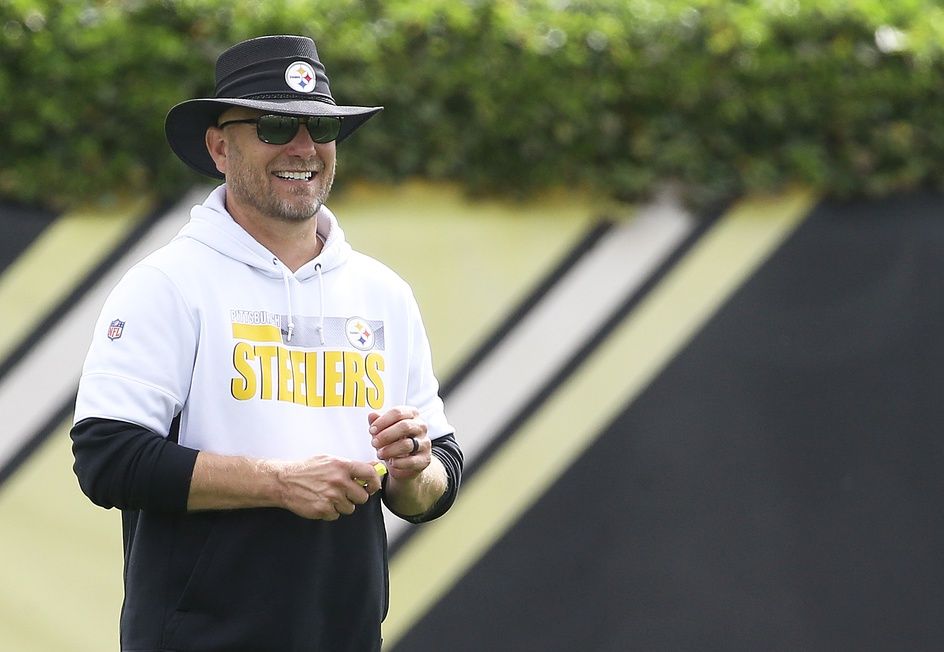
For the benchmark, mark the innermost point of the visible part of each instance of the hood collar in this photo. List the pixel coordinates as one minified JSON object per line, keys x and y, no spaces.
{"x":211,"y":224}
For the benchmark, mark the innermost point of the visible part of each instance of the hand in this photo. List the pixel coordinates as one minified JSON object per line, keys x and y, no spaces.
{"x":325,"y":487}
{"x":394,"y":434}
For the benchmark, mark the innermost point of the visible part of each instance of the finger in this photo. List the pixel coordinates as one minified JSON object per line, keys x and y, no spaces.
{"x":344,"y":507}
{"x":409,"y":447}
{"x":331,"y":515}
{"x":413,"y":458}
{"x":408,"y":467}
{"x":367,"y":488}
{"x":417,"y":445}
{"x":367,"y":475}
{"x":358,"y":496}
{"x":401,"y":430}
{"x":391,"y":417}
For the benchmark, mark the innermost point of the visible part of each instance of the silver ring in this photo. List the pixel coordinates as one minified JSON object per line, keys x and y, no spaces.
{"x":416,"y":445}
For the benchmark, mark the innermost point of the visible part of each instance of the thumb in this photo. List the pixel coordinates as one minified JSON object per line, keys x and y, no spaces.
{"x":373,"y":416}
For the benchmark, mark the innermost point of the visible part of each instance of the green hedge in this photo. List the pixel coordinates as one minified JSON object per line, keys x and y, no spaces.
{"x":623,"y":97}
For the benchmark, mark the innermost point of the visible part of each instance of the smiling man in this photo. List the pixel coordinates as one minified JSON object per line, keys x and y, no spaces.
{"x":255,"y":388}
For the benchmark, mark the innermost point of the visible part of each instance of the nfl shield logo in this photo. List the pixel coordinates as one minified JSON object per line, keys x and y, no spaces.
{"x":115,"y":329}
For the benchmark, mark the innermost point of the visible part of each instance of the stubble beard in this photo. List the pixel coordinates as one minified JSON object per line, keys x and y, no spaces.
{"x":250,"y":186}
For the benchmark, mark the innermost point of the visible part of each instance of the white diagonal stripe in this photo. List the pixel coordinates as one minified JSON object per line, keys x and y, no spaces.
{"x":55,"y":364}
{"x":568,"y":316}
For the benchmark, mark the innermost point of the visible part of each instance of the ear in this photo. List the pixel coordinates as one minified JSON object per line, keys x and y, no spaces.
{"x":217,"y":147}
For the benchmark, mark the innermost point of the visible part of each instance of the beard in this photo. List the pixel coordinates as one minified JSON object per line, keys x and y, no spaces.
{"x":251,"y":186}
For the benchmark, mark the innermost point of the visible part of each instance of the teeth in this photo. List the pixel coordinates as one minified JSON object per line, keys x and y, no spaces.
{"x":297,"y":176}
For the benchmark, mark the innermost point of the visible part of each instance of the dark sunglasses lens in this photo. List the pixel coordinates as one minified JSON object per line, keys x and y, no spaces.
{"x":324,"y":129}
{"x":277,"y":129}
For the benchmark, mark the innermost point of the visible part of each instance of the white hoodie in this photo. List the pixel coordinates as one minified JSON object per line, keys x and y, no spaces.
{"x":257,"y":360}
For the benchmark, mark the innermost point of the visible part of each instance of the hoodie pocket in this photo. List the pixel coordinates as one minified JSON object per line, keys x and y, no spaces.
{"x":232,"y":598}
{"x":199,"y":544}
{"x":195,"y":583}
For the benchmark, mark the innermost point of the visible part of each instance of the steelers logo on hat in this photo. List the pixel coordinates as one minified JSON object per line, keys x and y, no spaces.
{"x":300,"y":76}
{"x":359,"y":333}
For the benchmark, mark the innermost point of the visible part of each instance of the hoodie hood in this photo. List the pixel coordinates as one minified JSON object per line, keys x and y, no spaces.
{"x":211,"y":224}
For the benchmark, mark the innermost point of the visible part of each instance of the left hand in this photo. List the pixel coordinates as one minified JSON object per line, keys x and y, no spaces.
{"x":393,"y":434}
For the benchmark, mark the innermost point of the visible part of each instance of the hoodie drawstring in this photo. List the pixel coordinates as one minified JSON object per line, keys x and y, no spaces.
{"x":288,"y":298}
{"x":321,"y":296}
{"x":291,"y":308}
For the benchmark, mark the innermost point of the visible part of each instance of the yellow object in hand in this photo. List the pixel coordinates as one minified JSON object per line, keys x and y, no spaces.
{"x":381,"y":470}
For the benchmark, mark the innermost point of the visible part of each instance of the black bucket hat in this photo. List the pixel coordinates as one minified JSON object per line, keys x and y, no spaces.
{"x":279,"y":74}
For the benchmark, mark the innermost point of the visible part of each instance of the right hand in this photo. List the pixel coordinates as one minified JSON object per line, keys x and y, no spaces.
{"x":325,"y":487}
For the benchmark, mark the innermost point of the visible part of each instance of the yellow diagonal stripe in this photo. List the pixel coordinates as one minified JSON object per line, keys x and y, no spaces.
{"x":522,"y":242}
{"x":257,"y":332}
{"x":60,"y":558}
{"x":576,"y":415}
{"x":64,"y":253}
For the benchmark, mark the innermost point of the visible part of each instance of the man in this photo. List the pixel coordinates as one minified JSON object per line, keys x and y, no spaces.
{"x":255,"y":388}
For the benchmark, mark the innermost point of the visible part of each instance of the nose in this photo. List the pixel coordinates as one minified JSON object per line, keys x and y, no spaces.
{"x":302,"y":140}
{"x":302,"y":146}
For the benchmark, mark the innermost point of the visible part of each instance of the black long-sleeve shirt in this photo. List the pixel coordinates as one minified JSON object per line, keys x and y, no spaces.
{"x":231,"y":579}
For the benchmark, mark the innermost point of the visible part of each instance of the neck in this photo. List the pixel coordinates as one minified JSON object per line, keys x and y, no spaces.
{"x":293,"y":242}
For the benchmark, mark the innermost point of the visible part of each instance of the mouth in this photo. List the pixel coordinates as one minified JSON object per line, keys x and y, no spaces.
{"x":294,"y":175}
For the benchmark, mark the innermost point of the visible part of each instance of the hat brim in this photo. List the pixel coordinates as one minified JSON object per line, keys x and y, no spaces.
{"x":187,"y":122}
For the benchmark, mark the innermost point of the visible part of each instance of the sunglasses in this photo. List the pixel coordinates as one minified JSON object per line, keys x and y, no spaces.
{"x":281,"y":129}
